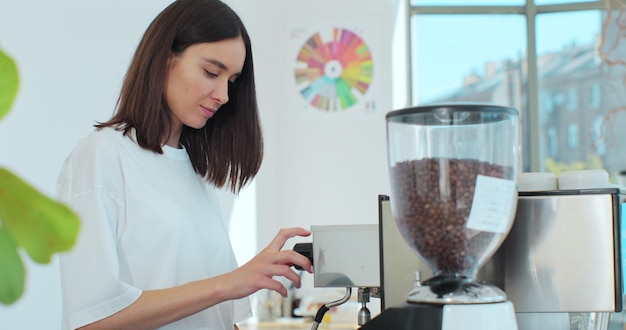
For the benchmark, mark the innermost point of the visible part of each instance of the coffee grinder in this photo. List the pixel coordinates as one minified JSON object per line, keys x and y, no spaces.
{"x":453,"y":170}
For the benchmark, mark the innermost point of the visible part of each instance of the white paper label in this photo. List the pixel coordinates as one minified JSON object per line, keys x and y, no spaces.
{"x":493,"y":204}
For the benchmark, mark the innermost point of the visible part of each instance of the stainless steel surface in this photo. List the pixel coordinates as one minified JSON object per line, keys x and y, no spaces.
{"x":560,"y":255}
{"x":399,"y":262}
{"x":346,"y":256}
{"x":364,"y":314}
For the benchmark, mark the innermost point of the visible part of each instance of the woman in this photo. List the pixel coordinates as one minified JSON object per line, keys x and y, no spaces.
{"x":153,"y":251}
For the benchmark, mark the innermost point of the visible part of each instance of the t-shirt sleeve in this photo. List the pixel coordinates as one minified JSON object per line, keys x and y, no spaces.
{"x":90,"y":281}
{"x":242,"y":309}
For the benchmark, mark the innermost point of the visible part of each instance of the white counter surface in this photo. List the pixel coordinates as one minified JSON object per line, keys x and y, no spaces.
{"x":295,"y":324}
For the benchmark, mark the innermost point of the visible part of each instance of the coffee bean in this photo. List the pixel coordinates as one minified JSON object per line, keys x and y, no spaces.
{"x":432,"y":200}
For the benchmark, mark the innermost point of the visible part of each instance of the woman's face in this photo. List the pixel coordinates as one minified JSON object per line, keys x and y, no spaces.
{"x":198,"y":79}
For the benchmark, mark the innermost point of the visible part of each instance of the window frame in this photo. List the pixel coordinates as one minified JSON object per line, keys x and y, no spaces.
{"x":530,"y":11}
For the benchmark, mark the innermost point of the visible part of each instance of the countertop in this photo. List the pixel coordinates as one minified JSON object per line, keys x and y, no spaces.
{"x":295,"y":324}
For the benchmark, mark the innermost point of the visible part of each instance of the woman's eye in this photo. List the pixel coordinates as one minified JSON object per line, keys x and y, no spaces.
{"x":210,"y":74}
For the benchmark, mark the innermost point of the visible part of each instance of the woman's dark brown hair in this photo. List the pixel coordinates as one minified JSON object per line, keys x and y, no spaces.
{"x":230,"y":146}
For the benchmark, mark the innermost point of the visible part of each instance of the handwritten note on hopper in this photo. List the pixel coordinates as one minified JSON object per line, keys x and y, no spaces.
{"x":493,"y":204}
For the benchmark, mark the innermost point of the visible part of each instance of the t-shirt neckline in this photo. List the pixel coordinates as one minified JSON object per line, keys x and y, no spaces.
{"x":174,"y":153}
{"x":169,"y":152}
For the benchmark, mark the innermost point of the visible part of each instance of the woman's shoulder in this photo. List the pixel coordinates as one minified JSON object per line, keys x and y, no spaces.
{"x":107,"y":142}
{"x":96,"y":161}
{"x":109,"y":135}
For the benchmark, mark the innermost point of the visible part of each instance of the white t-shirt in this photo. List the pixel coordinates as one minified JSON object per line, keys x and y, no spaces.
{"x":148,"y":221}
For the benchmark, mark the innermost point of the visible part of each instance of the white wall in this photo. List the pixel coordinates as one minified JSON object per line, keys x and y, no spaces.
{"x":72,"y":55}
{"x":321,"y":168}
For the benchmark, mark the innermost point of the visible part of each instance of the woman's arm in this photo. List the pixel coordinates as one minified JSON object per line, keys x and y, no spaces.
{"x":155,"y":308}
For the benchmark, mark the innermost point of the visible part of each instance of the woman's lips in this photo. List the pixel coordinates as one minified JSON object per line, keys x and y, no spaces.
{"x":209,"y":112}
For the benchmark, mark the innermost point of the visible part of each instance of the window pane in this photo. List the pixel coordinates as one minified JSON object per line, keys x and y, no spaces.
{"x":468,"y":2}
{"x":581,"y":88}
{"x":471,"y":58}
{"x":460,"y":56}
{"x":556,"y":2}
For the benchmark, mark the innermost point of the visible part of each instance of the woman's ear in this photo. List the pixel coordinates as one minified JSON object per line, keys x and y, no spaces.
{"x":171,"y":57}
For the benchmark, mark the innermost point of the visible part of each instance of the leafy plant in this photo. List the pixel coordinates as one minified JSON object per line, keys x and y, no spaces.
{"x":29,"y":220}
{"x":556,"y":167}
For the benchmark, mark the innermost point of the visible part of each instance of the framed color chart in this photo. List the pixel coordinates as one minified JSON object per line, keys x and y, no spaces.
{"x":333,"y":66}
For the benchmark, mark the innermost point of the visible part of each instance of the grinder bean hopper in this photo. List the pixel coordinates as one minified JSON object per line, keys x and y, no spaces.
{"x":453,"y":169}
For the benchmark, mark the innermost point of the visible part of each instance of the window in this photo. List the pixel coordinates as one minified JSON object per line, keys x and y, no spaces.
{"x":466,"y":2}
{"x":597,"y":136}
{"x":478,"y":51}
{"x":474,"y":66}
{"x":572,"y":102}
{"x":548,"y":105}
{"x":553,"y":142}
{"x":594,"y":96}
{"x":558,"y":99}
{"x":553,"y":2}
{"x":572,"y":136}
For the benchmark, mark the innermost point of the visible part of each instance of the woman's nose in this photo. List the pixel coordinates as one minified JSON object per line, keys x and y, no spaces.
{"x":220,"y":93}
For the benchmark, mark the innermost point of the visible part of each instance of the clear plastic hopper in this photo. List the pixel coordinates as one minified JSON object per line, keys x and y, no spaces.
{"x":453,"y":170}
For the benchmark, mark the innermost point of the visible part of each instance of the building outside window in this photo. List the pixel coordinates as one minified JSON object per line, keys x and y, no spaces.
{"x":572,"y":102}
{"x":572,"y":136}
{"x":553,"y":142}
{"x":560,"y":63}
{"x":594,"y":95}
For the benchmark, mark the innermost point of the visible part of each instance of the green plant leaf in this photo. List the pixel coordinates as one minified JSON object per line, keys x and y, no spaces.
{"x":9,"y":83}
{"x":40,"y":225}
{"x":13,"y":274}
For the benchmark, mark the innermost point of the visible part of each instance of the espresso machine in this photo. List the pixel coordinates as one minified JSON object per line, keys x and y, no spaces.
{"x":453,"y":170}
{"x":462,"y":226}
{"x":561,"y":264}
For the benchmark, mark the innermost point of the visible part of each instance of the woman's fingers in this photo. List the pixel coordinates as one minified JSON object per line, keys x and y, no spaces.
{"x":289,"y":257}
{"x":283,"y":267}
{"x":284,"y":234}
{"x":283,"y":271}
{"x":295,"y":258}
{"x":275,"y":285}
{"x":272,"y":261}
{"x":294,"y":278}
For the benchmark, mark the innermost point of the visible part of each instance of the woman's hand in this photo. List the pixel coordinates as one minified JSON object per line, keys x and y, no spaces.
{"x":155,"y":308}
{"x":258,"y":273}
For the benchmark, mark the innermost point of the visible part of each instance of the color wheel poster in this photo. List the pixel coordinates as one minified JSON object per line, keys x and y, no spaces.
{"x":334,"y":67}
